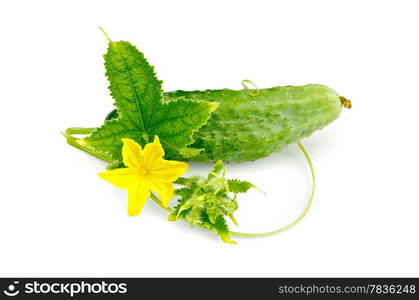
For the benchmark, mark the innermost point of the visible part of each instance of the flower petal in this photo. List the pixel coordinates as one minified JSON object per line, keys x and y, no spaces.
{"x":169,"y":170}
{"x":164,"y":189}
{"x":121,"y":178}
{"x":131,"y":153}
{"x":153,"y":152}
{"x":137,"y":197}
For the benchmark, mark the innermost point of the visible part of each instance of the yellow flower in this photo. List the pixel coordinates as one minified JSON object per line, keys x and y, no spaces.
{"x":146,"y":171}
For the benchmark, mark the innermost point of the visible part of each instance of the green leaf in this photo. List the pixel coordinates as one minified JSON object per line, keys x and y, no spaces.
{"x":217,"y":168}
{"x":239,"y":186}
{"x":141,"y":113}
{"x":207,"y":201}
{"x":219,"y":226}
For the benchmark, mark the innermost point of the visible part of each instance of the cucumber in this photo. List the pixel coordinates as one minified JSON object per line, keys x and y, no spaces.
{"x":250,"y":124}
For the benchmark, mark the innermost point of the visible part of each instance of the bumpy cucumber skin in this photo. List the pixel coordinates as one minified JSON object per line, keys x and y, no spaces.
{"x":250,"y":124}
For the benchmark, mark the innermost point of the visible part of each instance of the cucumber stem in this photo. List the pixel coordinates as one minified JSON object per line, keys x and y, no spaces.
{"x":346,"y":102}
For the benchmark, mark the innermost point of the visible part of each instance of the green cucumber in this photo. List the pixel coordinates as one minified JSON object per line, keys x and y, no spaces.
{"x":254,"y":123}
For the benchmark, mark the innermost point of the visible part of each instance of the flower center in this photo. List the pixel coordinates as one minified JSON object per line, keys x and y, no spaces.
{"x":143,"y":171}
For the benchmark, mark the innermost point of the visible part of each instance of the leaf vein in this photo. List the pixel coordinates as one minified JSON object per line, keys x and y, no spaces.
{"x":128,"y":71}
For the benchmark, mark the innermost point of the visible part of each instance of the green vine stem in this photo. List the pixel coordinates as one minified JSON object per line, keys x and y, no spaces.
{"x":79,"y":130}
{"x":300,"y":217}
{"x":75,"y":142}
{"x":292,"y":224}
{"x":249,"y":82}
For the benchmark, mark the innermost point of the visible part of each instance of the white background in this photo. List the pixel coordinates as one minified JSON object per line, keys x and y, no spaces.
{"x":57,"y":218}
